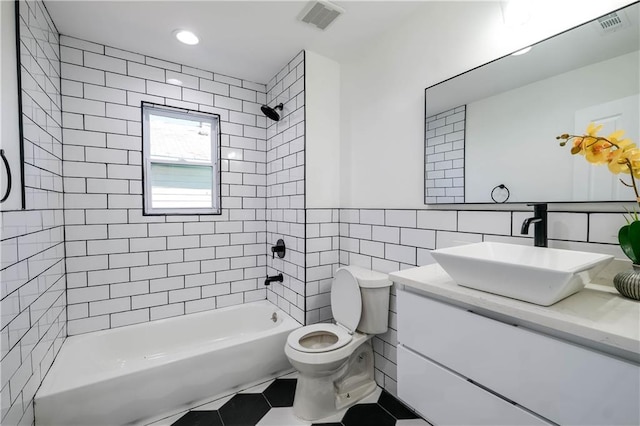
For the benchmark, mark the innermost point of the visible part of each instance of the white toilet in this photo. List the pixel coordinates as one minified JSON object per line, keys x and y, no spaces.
{"x":335,"y":361}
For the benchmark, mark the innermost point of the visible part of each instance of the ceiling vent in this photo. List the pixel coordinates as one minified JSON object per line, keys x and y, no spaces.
{"x":612,"y":22}
{"x":320,"y":14}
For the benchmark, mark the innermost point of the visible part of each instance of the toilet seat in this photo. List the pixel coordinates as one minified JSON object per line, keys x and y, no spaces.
{"x":318,"y":338}
{"x":346,"y":299}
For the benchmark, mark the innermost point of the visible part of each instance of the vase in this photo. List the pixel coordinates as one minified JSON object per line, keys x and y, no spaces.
{"x":628,"y":283}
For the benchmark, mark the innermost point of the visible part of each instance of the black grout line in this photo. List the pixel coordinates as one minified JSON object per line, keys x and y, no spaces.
{"x":145,"y":57}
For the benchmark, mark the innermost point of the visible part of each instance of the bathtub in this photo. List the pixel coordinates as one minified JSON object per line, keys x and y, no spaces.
{"x":134,"y":373}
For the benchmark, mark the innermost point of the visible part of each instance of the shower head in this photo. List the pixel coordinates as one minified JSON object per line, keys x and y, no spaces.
{"x":272,"y":113}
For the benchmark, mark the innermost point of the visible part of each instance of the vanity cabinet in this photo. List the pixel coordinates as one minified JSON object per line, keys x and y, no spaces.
{"x":445,"y":398}
{"x":458,"y":367}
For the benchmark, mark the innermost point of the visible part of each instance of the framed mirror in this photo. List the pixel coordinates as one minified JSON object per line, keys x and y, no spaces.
{"x":490,"y":133}
{"x":12,"y":193}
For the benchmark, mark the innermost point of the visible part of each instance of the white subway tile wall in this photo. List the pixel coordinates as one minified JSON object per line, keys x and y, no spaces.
{"x":401,"y":239}
{"x":32,"y":273}
{"x":285,"y":197}
{"x":322,"y":258}
{"x":123,"y":267}
{"x":603,"y":227}
{"x":444,"y":156}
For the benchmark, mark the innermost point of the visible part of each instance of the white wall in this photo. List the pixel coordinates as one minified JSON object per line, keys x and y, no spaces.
{"x":383,"y":88}
{"x":322,"y":87}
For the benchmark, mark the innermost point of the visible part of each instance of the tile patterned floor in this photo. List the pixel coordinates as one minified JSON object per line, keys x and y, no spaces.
{"x":271,"y":404}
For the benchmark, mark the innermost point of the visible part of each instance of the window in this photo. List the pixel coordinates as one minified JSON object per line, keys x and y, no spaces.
{"x":181,"y":173}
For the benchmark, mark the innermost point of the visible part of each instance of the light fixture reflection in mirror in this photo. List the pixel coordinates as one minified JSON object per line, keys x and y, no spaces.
{"x":522,"y":51}
{"x":496,"y":124}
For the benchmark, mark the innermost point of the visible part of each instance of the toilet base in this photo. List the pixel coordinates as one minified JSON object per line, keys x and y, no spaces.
{"x":314,"y":398}
{"x":318,"y":397}
{"x":355,"y":394}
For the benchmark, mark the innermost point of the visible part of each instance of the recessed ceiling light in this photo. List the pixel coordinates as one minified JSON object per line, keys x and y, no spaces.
{"x":186,"y":37}
{"x":521,"y":52}
{"x":174,"y":81}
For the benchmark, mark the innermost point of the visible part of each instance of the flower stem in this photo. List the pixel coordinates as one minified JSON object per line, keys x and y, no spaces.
{"x":633,"y":180}
{"x":587,"y":141}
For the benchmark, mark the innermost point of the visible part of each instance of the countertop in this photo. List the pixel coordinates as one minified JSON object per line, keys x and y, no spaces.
{"x":596,"y":316}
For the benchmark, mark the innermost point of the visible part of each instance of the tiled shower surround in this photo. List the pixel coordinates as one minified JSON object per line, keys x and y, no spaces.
{"x":33,"y":271}
{"x":123,"y":267}
{"x":285,"y":196}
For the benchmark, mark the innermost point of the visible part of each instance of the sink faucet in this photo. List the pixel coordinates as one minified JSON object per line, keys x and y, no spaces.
{"x":539,"y":220}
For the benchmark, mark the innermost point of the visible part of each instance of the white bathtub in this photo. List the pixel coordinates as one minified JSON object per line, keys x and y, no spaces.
{"x":133,"y":373}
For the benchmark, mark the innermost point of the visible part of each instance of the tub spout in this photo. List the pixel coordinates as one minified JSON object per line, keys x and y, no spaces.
{"x":277,"y":278}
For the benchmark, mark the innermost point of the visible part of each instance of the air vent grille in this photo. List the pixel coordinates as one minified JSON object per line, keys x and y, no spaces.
{"x":612,"y":22}
{"x":320,"y":14}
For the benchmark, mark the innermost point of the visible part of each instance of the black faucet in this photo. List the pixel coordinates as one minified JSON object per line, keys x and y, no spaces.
{"x":539,"y":220}
{"x":277,"y":278}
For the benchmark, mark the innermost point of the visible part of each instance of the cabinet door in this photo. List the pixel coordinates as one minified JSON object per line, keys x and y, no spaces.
{"x":10,"y":143}
{"x":562,"y":382}
{"x":444,"y":398}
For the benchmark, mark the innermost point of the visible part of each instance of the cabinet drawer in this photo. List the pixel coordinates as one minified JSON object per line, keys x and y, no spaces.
{"x":444,"y":398}
{"x":562,"y":382}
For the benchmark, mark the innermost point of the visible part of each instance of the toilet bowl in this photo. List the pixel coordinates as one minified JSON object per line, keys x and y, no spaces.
{"x":335,"y":361}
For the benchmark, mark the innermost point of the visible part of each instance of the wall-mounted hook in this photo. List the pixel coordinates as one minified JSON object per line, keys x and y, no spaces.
{"x":279,"y":248}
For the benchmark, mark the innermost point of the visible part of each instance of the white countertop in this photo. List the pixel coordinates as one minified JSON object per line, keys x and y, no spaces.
{"x":597,"y":315}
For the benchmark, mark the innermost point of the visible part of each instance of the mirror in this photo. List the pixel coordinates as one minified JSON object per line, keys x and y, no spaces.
{"x":12,"y":194}
{"x":490,"y":132}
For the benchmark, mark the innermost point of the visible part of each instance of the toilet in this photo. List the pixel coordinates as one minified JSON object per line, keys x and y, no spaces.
{"x":335,"y":361}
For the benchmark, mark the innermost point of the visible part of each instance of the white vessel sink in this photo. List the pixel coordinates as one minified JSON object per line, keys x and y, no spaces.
{"x":537,"y":275}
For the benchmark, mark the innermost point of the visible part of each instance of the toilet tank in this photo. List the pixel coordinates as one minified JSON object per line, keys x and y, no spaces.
{"x":374,"y":289}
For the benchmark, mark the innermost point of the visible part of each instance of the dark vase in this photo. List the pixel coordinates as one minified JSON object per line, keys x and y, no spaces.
{"x":628,"y":283}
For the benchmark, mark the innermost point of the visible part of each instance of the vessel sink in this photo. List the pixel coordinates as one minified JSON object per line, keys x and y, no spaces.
{"x":537,"y":275}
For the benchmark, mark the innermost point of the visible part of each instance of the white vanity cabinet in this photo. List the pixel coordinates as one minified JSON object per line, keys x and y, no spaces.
{"x":458,"y":367}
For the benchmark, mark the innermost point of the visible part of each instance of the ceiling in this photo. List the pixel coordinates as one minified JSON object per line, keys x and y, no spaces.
{"x":245,"y":39}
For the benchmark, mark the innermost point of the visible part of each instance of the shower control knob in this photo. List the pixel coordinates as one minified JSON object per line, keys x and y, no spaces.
{"x":279,"y":248}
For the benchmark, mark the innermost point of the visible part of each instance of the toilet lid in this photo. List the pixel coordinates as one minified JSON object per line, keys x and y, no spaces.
{"x":321,"y":337}
{"x":346,"y":301}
